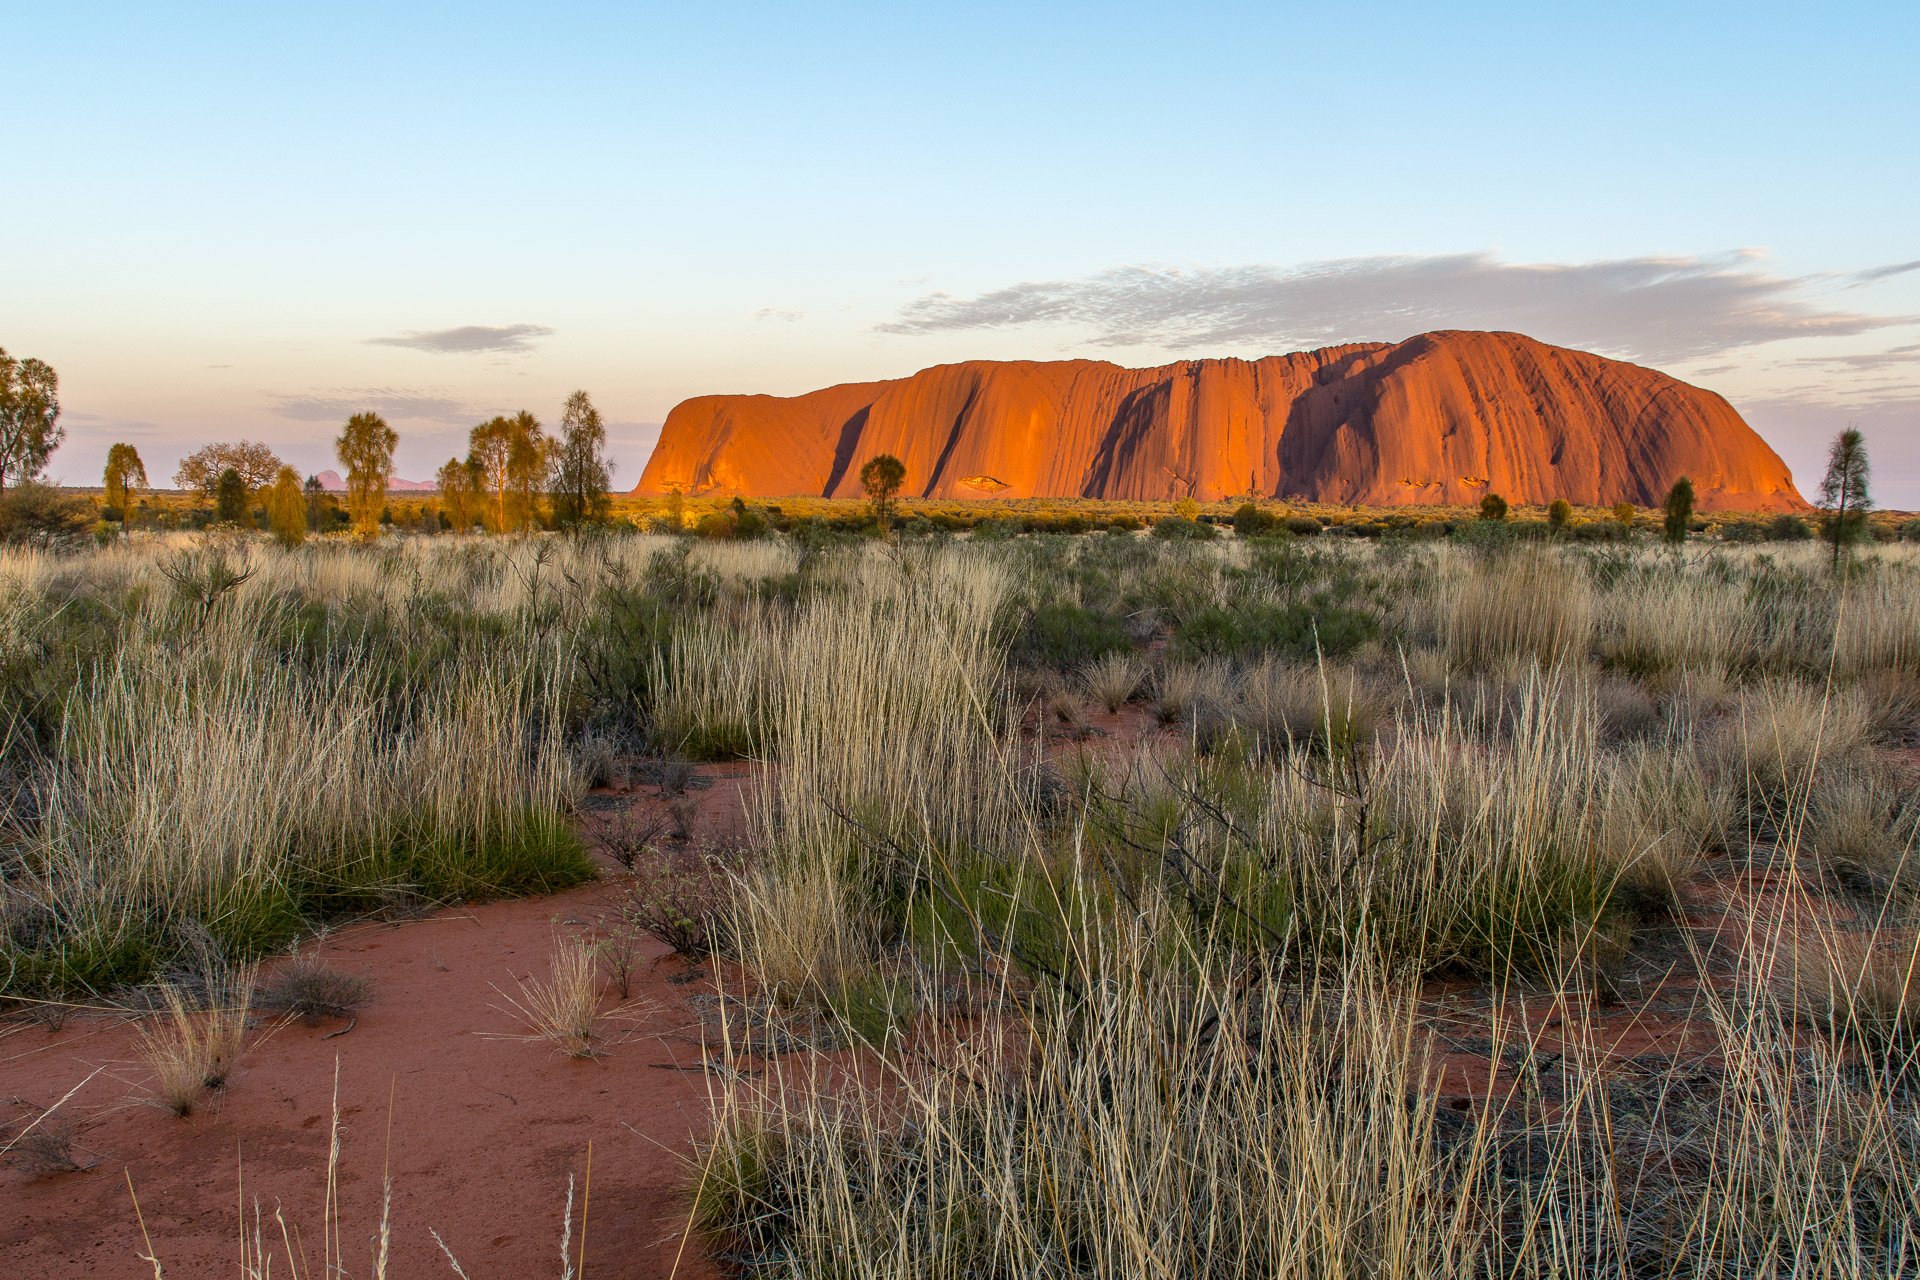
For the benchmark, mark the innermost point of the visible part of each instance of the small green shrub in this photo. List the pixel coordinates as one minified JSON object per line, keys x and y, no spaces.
{"x":1254,"y":629}
{"x":1067,"y":637}
{"x":1181,"y":529}
{"x":1789,"y":528}
{"x":1250,"y":521}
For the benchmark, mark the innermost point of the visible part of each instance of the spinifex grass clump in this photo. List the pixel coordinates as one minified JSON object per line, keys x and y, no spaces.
{"x":225,"y":775}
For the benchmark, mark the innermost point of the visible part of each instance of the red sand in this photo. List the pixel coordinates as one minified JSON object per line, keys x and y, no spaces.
{"x":484,"y":1130}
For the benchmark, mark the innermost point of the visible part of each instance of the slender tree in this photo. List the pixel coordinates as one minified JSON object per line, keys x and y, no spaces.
{"x":489,"y":447}
{"x":882,"y":477}
{"x":125,"y":475}
{"x":365,"y":449}
{"x":459,"y":489}
{"x":316,"y":495}
{"x":1679,"y":511}
{"x":581,"y":471}
{"x":676,"y":509}
{"x":1844,"y":500}
{"x":30,"y":427}
{"x":529,"y":462}
{"x":287,"y":509}
{"x":253,"y":462}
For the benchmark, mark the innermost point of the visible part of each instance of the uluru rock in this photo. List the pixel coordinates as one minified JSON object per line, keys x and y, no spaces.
{"x":1440,"y":418}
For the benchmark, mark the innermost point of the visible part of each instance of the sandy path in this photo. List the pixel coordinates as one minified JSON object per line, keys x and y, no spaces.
{"x":484,"y":1129}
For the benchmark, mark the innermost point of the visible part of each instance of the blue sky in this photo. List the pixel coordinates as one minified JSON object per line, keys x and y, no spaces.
{"x":239,"y":220}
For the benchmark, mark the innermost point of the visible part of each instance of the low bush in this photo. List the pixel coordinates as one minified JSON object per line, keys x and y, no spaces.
{"x":1067,"y":637}
{"x":41,"y":515}
{"x":1181,"y":529}
{"x":310,"y":989}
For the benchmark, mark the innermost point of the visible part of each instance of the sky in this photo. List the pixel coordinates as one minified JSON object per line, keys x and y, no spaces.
{"x":229,"y":221}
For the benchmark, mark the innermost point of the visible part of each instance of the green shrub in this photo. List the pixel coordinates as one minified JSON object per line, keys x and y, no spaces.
{"x":1181,"y":529}
{"x":1066,"y":637}
{"x":1252,"y":630}
{"x":1302,"y":526}
{"x":1250,"y":521}
{"x":1789,"y":528}
{"x":994,"y":528}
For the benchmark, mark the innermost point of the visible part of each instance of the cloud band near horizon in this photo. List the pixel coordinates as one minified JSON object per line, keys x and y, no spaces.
{"x":1658,"y":309}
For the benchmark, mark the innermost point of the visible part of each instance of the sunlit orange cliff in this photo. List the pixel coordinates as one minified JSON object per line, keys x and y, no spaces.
{"x":1440,"y":418}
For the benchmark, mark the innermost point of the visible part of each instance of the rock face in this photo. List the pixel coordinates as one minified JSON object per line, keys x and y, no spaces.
{"x":1441,"y":418}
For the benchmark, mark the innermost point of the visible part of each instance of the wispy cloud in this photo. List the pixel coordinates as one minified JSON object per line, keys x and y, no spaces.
{"x":1650,"y":308}
{"x":1909,"y":354}
{"x":469,"y":339}
{"x":1873,"y":275}
{"x":787,"y":314}
{"x":340,"y":403}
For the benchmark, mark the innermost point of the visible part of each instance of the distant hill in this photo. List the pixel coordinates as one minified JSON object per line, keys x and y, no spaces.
{"x":1441,"y":418}
{"x":332,"y":483}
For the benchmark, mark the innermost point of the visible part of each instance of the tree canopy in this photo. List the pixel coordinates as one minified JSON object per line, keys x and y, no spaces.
{"x":125,"y":473}
{"x":459,"y":492}
{"x":1844,"y":499}
{"x":365,"y":449}
{"x":287,"y":508}
{"x":511,"y":456}
{"x":30,"y":427}
{"x":882,"y":477}
{"x":581,"y":471}
{"x":253,"y":462}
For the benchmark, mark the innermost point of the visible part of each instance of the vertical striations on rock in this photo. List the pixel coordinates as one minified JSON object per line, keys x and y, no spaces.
{"x":1440,"y":418}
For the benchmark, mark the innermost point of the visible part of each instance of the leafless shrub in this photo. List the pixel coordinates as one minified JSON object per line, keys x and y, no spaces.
{"x":631,"y":834}
{"x":47,"y":1148}
{"x":310,"y":989}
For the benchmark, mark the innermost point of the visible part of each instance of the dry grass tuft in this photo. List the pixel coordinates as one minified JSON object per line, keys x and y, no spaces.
{"x":564,"y":1010}
{"x":1113,"y":679}
{"x":1859,"y":986}
{"x":178,"y":1051}
{"x":1528,"y":604}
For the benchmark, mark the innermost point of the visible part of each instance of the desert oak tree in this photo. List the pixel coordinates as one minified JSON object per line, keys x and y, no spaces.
{"x":125,"y":475}
{"x":30,"y":427}
{"x":1844,"y":501}
{"x":365,"y":449}
{"x":459,"y":492}
{"x":287,"y":509}
{"x":882,"y":477}
{"x":581,"y":472}
{"x":1679,"y":511}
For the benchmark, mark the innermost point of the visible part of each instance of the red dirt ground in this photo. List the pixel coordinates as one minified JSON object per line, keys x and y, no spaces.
{"x":485,"y":1129}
